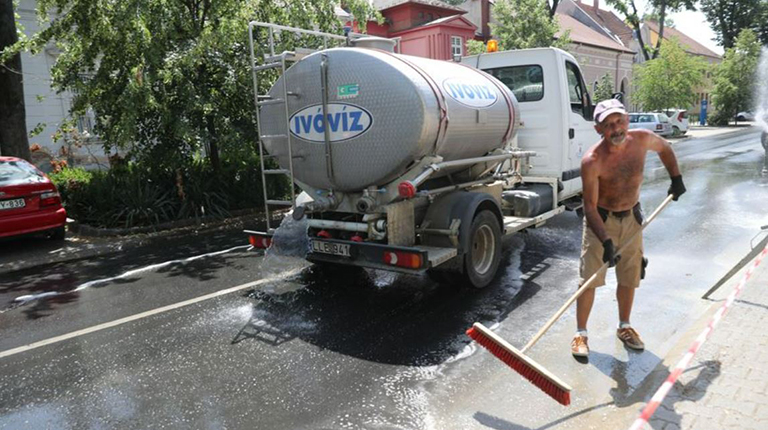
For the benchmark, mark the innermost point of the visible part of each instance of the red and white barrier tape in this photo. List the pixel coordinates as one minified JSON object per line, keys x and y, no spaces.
{"x":658,"y":398}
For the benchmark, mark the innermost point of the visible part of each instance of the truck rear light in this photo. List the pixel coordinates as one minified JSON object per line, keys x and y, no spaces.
{"x":356,"y":238}
{"x":260,"y":242}
{"x":324,"y":234}
{"x":659,"y":127}
{"x":50,"y":199}
{"x":409,"y":260}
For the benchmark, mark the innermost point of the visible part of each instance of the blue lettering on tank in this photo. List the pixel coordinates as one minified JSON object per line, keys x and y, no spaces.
{"x":356,"y":126}
{"x":344,"y":121}
{"x":471,"y":91}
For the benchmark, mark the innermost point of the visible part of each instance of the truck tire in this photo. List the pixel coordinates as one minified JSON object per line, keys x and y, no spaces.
{"x":482,"y":260}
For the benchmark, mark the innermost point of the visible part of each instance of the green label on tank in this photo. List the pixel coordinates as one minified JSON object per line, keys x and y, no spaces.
{"x":347,"y":91}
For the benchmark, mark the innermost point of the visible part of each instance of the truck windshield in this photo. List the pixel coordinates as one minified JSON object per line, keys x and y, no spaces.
{"x":526,"y":82}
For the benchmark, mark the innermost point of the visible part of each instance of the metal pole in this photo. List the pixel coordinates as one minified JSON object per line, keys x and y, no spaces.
{"x":258,"y":121}
{"x":326,"y":130}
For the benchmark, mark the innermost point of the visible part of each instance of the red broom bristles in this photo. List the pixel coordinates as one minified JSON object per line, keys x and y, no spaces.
{"x":527,"y":368}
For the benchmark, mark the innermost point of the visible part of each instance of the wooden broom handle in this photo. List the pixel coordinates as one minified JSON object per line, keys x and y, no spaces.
{"x":592,"y":279}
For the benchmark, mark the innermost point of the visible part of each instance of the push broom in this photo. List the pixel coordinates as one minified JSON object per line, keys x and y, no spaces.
{"x":524,"y":365}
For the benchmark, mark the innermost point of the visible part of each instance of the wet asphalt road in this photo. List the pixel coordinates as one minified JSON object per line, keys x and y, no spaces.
{"x":373,"y":350}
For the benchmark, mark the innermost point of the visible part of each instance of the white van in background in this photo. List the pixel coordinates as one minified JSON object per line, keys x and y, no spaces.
{"x":678,"y":119}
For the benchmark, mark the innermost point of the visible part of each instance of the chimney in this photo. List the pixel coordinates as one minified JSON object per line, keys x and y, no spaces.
{"x":597,"y":4}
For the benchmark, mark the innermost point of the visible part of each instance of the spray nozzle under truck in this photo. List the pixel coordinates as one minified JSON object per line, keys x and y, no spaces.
{"x":412,"y":164}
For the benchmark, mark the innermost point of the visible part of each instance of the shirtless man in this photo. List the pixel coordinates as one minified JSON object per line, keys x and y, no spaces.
{"x":611,"y":174}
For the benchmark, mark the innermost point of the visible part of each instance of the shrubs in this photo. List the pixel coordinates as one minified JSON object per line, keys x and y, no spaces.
{"x":130,"y":195}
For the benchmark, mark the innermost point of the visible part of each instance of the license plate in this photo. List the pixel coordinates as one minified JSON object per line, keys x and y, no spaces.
{"x":330,"y":248}
{"x":12,"y":204}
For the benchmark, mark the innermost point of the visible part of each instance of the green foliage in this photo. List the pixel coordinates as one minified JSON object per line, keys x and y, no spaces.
{"x":669,"y":81}
{"x":729,"y":17}
{"x":523,"y":24}
{"x":475,"y":47}
{"x":170,"y":79}
{"x":735,"y":77}
{"x":131,"y":195}
{"x":170,"y":83}
{"x":604,"y":89}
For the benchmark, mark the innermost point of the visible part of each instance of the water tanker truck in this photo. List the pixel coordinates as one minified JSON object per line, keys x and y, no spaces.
{"x":418,"y":165}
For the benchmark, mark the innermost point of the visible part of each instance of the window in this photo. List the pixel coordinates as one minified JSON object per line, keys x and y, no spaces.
{"x":19,"y":172}
{"x":580,"y":103}
{"x":457,"y":46}
{"x":526,"y":82}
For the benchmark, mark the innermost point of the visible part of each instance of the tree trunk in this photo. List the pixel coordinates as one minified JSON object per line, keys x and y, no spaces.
{"x":213,"y":145}
{"x":552,"y":8}
{"x":635,"y":21}
{"x":662,"y":17}
{"x":13,"y":116}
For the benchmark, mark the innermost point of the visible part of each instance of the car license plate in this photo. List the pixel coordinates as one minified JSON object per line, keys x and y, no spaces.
{"x":331,"y":248}
{"x":12,"y":204}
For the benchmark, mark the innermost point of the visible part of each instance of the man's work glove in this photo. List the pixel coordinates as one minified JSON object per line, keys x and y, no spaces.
{"x":609,"y":254}
{"x":677,"y":188}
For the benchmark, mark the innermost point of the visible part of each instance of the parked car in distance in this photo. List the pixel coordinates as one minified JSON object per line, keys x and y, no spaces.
{"x":745,"y":116}
{"x":29,"y":202}
{"x":655,"y":122}
{"x":678,"y":119}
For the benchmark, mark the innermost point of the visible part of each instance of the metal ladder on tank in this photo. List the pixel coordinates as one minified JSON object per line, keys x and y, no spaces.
{"x":277,"y":61}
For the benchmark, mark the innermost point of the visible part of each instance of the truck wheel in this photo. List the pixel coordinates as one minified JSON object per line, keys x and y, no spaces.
{"x":676,"y":131}
{"x":482,"y":260}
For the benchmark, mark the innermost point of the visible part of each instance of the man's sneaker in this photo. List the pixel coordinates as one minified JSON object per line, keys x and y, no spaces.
{"x":631,"y":339}
{"x":579,"y":347}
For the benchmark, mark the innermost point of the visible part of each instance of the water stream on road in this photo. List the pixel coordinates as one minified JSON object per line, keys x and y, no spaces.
{"x":290,"y":244}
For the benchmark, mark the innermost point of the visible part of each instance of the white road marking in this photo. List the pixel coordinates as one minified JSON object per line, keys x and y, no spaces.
{"x":30,"y":297}
{"x":146,"y":314}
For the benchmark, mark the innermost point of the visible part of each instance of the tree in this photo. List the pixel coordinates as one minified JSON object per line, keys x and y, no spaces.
{"x":604,"y":88}
{"x":663,"y":7}
{"x":728,"y":17}
{"x":660,"y":9}
{"x":735,"y":77}
{"x":628,"y":9}
{"x":670,"y":80}
{"x":552,"y":8}
{"x":13,"y":117}
{"x":522,"y":24}
{"x":170,"y":80}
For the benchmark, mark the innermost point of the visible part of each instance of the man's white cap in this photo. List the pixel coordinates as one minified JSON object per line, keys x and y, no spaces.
{"x":607,"y":107}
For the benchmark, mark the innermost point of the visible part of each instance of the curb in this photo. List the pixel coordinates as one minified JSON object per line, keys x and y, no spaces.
{"x":89,"y":231}
{"x":105,"y":246}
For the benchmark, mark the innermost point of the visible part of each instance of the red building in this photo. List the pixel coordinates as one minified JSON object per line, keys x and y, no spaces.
{"x":426,"y":28}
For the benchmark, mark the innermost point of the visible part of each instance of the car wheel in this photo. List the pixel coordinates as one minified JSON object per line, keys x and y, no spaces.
{"x":482,"y":260}
{"x":58,"y":233}
{"x":675,"y":131}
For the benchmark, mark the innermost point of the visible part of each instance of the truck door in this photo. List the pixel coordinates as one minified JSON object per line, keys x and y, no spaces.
{"x":581,"y":131}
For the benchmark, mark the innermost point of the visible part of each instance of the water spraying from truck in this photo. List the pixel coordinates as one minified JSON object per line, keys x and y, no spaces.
{"x":761,"y":91}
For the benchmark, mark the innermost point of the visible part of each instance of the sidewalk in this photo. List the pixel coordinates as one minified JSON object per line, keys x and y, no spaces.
{"x":726,"y":383}
{"x":698,"y":131}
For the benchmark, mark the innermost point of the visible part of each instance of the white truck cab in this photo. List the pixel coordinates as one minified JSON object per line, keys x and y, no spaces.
{"x":555,"y":109}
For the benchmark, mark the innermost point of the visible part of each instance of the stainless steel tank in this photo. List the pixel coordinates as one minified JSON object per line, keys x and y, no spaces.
{"x":384,"y":112}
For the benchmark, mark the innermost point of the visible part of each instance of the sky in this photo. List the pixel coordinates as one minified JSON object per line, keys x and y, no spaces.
{"x":693,"y":23}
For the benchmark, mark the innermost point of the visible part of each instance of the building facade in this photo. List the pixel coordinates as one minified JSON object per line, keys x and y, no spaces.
{"x":47,"y":110}
{"x":426,"y":28}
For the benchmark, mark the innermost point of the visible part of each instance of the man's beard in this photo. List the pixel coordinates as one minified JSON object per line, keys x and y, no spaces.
{"x":617,"y":138}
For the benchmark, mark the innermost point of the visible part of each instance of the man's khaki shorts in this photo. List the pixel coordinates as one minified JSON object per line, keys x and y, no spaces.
{"x":619,"y":230}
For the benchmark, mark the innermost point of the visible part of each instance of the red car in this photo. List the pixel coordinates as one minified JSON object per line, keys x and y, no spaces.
{"x":29,"y":202}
